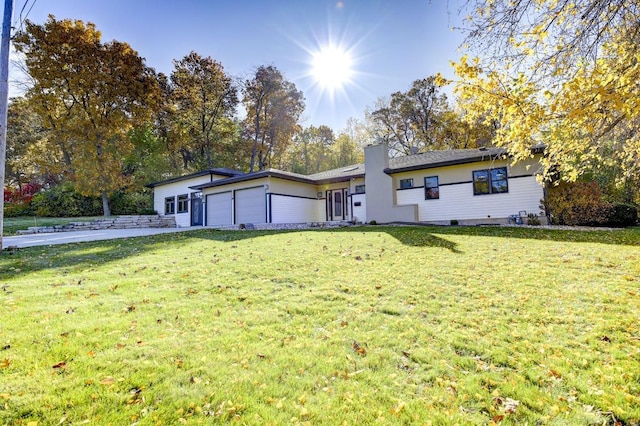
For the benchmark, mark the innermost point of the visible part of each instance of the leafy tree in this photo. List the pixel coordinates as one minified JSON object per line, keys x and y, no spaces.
{"x":89,"y":95}
{"x":421,"y":119}
{"x":558,"y":72}
{"x":345,"y":152}
{"x":309,"y":152}
{"x":24,"y":129}
{"x":273,"y":107}
{"x":148,"y":160}
{"x":204,"y":100}
{"x":411,"y":117}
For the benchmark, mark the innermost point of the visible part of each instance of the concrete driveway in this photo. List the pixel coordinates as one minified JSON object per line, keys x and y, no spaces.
{"x":46,"y":239}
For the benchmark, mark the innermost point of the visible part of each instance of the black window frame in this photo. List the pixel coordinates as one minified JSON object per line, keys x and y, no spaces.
{"x":494,"y":184}
{"x":169,"y":205}
{"x":409,"y":181}
{"x":431,"y":192}
{"x":182,"y":204}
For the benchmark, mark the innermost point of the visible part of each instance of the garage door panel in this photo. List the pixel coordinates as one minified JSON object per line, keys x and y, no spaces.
{"x":219,"y":209}
{"x":250,"y":205}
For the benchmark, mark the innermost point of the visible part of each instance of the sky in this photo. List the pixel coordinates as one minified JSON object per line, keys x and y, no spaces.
{"x":387,"y":43}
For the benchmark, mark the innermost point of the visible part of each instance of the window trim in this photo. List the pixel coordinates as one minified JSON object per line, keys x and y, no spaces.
{"x":182,"y":204}
{"x":427,"y":188}
{"x":490,"y":180}
{"x":405,"y":181}
{"x":169,"y":205}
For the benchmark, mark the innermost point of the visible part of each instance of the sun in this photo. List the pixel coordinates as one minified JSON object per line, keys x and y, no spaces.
{"x":331,"y":67}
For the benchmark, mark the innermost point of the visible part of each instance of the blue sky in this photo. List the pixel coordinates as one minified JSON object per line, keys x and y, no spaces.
{"x":391,"y":42}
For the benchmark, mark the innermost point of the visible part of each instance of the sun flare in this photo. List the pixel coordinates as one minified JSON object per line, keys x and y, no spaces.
{"x":331,"y":67}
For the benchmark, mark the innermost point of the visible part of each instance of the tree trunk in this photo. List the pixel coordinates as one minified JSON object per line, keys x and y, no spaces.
{"x":105,"y":204}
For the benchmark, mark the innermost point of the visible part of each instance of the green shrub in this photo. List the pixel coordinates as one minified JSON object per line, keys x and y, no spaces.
{"x":63,"y":201}
{"x":623,"y":215}
{"x":139,"y":202}
{"x":17,"y":209}
{"x":577,"y":203}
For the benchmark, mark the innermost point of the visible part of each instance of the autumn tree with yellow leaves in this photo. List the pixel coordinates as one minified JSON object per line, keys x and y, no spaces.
{"x":562,"y":73}
{"x":89,"y":95}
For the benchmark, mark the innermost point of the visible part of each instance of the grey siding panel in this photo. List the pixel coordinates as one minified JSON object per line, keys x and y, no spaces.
{"x":250,"y":205}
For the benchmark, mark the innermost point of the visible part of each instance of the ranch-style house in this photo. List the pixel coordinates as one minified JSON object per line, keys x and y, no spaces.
{"x":465,"y":186}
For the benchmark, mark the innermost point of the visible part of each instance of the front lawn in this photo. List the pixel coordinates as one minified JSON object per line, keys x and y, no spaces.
{"x":363,"y":325}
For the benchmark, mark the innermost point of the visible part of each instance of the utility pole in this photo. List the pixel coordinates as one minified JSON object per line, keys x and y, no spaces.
{"x":4,"y":99}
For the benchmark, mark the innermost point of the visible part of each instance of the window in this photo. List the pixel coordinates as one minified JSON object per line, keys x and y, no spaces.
{"x":431,"y":188}
{"x":183,"y":203}
{"x":359,"y":189}
{"x":492,"y":181}
{"x":169,"y":205}
{"x":406,"y":183}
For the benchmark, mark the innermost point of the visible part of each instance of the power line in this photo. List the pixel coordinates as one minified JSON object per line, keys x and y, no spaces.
{"x":21,"y":20}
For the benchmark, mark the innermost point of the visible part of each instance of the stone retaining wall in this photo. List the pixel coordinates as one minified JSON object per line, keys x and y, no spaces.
{"x":117,"y":222}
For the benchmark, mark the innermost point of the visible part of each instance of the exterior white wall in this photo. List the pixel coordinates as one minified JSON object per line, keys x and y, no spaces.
{"x":173,"y":190}
{"x":295,"y":209}
{"x":359,"y":213}
{"x":458,"y":202}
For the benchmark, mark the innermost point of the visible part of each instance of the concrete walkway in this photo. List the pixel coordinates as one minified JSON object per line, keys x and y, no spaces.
{"x":32,"y":240}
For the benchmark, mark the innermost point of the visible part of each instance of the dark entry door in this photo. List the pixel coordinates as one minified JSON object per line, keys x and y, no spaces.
{"x":196,"y":210}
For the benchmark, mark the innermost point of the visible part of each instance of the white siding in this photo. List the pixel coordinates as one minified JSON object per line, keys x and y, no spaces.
{"x":219,"y":209}
{"x":295,"y":209}
{"x":250,"y":205}
{"x":359,"y":213}
{"x":458,"y":202}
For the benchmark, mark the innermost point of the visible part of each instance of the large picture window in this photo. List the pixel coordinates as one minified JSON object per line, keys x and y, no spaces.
{"x":492,"y":181}
{"x":170,"y":205}
{"x":183,"y":203}
{"x":431,"y":188}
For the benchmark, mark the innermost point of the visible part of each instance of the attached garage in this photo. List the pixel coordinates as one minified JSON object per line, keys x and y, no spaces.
{"x":251,"y":205}
{"x":219,"y":210}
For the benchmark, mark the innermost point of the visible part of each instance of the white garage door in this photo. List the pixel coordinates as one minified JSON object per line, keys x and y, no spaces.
{"x":219,"y":209}
{"x":251,"y":205}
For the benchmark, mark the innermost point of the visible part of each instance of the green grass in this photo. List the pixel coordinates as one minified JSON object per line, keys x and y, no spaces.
{"x":371,"y":325}
{"x":13,"y":224}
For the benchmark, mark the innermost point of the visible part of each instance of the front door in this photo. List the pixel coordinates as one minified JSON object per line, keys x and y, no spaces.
{"x":196,"y":209}
{"x":337,"y":204}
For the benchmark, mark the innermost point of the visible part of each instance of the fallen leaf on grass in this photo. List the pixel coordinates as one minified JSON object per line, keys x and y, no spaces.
{"x":107,"y":381}
{"x":359,"y":349}
{"x":61,"y":364}
{"x":510,"y":405}
{"x":398,"y":408}
{"x":555,"y":374}
{"x":5,"y":363}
